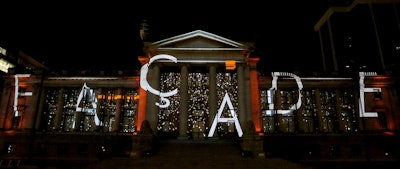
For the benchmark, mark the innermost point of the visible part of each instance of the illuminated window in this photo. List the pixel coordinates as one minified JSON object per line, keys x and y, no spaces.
{"x":328,"y":110}
{"x":108,"y":109}
{"x":129,"y":111}
{"x":5,"y":65}
{"x":69,"y":118}
{"x":287,"y":98}
{"x":347,"y":111}
{"x":267,"y":114}
{"x":3,"y":51}
{"x":50,"y":109}
{"x":308,"y":112}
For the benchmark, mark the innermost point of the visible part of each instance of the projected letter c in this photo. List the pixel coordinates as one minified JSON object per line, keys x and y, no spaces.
{"x":145,"y":85}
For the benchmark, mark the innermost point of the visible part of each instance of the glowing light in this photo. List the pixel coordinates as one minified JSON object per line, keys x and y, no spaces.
{"x":388,"y":133}
{"x":16,"y":94}
{"x":232,"y":119}
{"x":118,"y":97}
{"x":146,"y":86}
{"x":271,"y":92}
{"x":5,"y":65}
{"x":363,"y":113}
{"x":230,"y":64}
{"x":91,"y":106}
{"x":3,"y":51}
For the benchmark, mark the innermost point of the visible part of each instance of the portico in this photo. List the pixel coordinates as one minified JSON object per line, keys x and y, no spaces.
{"x":207,"y":67}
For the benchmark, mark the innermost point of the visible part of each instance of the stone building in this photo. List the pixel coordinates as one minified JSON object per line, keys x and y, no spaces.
{"x":199,"y":86}
{"x":69,"y":116}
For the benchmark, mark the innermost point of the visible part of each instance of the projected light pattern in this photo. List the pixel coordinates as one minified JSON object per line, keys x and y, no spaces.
{"x":129,"y":108}
{"x":309,"y":118}
{"x":50,"y":109}
{"x":227,"y":83}
{"x":348,"y":114}
{"x":107,"y":109}
{"x":198,"y":111}
{"x":60,"y":110}
{"x":198,"y":104}
{"x":322,"y":110}
{"x":285,"y":122}
{"x":168,"y":118}
{"x":68,"y":118}
{"x":328,"y":110}
{"x":86,"y":110}
{"x":268,"y":115}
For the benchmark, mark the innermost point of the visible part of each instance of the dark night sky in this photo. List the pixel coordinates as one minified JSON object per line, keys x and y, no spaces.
{"x":105,"y":34}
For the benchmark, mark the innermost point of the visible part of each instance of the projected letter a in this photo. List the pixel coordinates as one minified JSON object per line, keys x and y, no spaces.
{"x":218,"y":117}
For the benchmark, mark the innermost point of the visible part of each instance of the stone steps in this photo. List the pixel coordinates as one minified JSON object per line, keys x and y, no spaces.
{"x":196,"y":154}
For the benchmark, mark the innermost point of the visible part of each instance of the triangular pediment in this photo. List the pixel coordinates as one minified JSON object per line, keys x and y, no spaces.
{"x":198,"y":40}
{"x":198,"y":47}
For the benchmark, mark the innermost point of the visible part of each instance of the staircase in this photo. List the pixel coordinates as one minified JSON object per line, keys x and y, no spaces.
{"x":195,"y":154}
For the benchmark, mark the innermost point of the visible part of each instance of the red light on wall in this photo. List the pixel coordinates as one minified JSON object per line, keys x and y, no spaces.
{"x":388,"y":133}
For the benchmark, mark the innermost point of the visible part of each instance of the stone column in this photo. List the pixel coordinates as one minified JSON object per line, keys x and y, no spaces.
{"x":254,"y":93}
{"x":212,"y":98}
{"x":184,"y":104}
{"x":153,"y":78}
{"x":78,"y":120}
{"x":118,"y":111}
{"x":6,"y":95}
{"x":241,"y":112}
{"x":247,"y":94}
{"x":28,"y":113}
{"x":141,"y":112}
{"x":39,"y":116}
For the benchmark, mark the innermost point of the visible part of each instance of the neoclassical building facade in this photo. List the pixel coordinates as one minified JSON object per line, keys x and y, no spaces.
{"x":197,"y":86}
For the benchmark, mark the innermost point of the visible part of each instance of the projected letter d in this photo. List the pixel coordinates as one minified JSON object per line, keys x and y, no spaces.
{"x":271,"y":92}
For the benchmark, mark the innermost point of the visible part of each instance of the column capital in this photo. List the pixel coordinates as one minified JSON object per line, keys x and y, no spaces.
{"x":252,"y":62}
{"x":184,"y":64}
{"x":143,"y":59}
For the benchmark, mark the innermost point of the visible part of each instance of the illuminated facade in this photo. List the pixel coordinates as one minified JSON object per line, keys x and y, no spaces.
{"x":51,"y":109}
{"x":70,"y":116}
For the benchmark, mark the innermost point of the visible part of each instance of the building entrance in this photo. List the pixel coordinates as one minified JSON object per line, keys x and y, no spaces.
{"x":197,"y":108}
